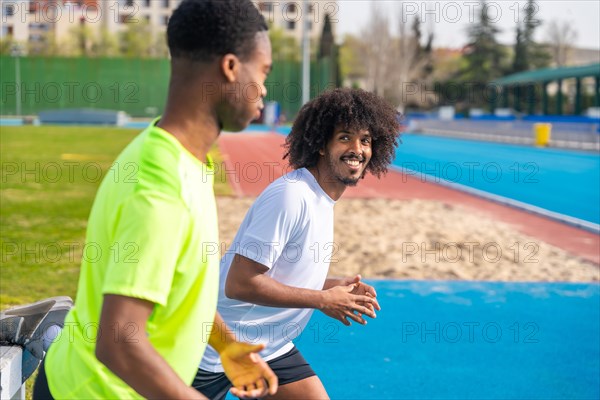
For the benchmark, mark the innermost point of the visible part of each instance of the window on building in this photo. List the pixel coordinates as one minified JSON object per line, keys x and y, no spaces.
{"x":10,"y":30}
{"x":33,"y":7}
{"x":265,"y":6}
{"x":166,"y":20}
{"x":291,"y":7}
{"x":39,"y":25}
{"x":9,"y":10}
{"x":36,"y":38}
{"x":166,"y":3}
{"x":128,"y":3}
{"x":147,"y":3}
{"x":291,"y":25}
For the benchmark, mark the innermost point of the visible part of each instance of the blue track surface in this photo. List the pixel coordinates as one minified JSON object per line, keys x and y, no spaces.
{"x":566,"y":182}
{"x":464,"y":340}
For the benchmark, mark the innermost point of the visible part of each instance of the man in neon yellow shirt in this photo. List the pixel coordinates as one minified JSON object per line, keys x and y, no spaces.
{"x":148,"y":287}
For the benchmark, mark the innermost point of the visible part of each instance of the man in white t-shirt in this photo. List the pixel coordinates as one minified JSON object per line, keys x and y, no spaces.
{"x":275,"y":272}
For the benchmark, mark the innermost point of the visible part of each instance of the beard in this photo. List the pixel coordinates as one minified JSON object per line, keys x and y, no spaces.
{"x":348,"y":181}
{"x":337,"y":175}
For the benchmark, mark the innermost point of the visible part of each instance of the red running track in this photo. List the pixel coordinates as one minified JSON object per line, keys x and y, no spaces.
{"x":252,"y":161}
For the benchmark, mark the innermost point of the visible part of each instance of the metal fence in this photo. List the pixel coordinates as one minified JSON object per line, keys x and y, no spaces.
{"x":136,"y":86}
{"x":583,"y":136}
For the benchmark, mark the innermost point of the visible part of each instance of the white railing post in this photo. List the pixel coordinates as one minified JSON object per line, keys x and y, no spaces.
{"x":10,"y":373}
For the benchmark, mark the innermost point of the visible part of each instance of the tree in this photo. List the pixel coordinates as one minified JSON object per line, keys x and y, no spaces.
{"x":82,"y":39}
{"x":160,"y":48}
{"x":135,"y":40}
{"x":78,"y":42}
{"x":284,"y":47}
{"x":412,"y":63}
{"x":388,"y":63}
{"x":520,"y":56}
{"x":483,"y":61}
{"x":483,"y":54}
{"x":327,"y":41}
{"x":52,"y":47}
{"x":6,"y":44}
{"x":422,"y":60}
{"x":107,"y":44}
{"x":380,"y":54}
{"x":561,"y":39}
{"x":377,"y":52}
{"x":528,"y":54}
{"x":352,"y":66}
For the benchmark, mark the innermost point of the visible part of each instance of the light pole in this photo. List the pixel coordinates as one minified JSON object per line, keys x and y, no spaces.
{"x":305,"y":52}
{"x":17,"y":51}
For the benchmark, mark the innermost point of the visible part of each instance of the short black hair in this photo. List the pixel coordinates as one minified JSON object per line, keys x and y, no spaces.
{"x":354,"y":109}
{"x":202,"y":30}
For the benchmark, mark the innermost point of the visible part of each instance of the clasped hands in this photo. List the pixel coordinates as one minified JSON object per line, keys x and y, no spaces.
{"x":351,"y":299}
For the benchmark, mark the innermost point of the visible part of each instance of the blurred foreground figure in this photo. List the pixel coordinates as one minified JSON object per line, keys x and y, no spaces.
{"x":150,"y":289}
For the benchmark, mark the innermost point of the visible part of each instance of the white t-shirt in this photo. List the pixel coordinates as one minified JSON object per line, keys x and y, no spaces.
{"x":288,"y":229}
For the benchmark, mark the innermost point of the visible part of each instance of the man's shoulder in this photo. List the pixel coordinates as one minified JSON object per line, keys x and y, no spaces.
{"x":152,"y":162}
{"x":290,"y":187}
{"x":294,"y":181}
{"x":159,"y":149}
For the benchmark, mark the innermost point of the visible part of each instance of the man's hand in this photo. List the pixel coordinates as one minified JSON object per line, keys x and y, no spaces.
{"x":362,"y":288}
{"x":340,"y":303}
{"x":250,"y":375}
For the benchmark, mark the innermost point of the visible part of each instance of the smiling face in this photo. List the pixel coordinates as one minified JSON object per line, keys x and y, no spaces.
{"x":346,"y":156}
{"x":245,"y":92}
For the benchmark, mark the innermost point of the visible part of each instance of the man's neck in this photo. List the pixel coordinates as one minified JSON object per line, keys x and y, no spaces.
{"x":190,"y":115}
{"x":196,"y":135}
{"x":329,"y":184}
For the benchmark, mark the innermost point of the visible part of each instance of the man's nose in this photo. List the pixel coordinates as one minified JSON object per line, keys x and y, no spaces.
{"x":356,"y":146}
{"x":263,"y":91}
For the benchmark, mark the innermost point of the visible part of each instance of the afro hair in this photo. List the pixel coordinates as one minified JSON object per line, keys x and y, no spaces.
{"x":352,"y":109}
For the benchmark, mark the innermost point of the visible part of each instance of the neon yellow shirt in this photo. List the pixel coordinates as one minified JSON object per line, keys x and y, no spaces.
{"x":152,"y":235}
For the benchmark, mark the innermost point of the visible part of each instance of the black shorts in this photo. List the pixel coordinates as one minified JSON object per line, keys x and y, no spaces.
{"x":41,"y":391}
{"x":290,"y":367}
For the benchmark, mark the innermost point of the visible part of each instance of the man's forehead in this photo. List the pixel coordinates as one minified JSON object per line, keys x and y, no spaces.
{"x":263,"y":45}
{"x":353,"y":131}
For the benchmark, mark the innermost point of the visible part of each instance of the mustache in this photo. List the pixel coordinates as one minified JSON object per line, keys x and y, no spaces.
{"x":354,"y":157}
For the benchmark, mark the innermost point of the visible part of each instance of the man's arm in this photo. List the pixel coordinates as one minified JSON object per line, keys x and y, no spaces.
{"x":123,"y":346}
{"x":250,"y":375}
{"x":246,"y":281}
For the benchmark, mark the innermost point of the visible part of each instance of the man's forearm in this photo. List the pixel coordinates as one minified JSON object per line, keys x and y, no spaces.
{"x":156,"y":379}
{"x":131,"y":356}
{"x":220,"y":335}
{"x":247,"y":281}
{"x":265,"y":291}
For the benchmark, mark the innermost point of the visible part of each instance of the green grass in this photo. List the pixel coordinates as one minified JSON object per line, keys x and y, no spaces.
{"x":49,"y":179}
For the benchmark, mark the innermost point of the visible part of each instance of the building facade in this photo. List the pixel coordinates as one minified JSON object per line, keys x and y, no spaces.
{"x":35,"y":22}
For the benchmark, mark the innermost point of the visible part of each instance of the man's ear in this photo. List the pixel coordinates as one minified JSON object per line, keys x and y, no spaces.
{"x":230,"y":66}
{"x":322,"y":152}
